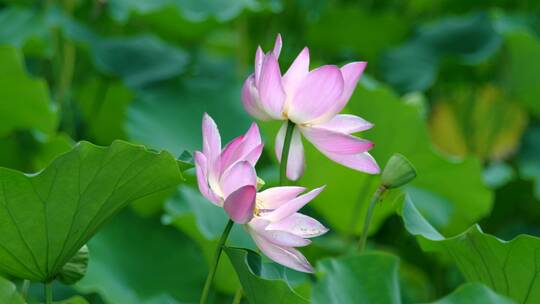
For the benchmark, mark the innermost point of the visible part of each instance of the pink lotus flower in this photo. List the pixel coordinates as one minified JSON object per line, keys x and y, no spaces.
{"x":277,"y":228}
{"x":227,"y":177}
{"x":312,"y":100}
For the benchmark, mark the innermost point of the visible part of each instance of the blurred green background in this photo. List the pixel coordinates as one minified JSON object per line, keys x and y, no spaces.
{"x":454,"y":85}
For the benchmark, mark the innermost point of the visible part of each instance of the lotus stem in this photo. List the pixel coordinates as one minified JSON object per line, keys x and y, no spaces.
{"x":48,"y":293}
{"x":213,"y":267}
{"x":376,"y":196}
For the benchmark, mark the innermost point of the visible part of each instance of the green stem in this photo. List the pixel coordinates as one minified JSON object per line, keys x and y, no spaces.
{"x":237,"y":296}
{"x":24,"y":289}
{"x":48,"y":293}
{"x":285,"y":153}
{"x":369,"y":215}
{"x":213,"y":268}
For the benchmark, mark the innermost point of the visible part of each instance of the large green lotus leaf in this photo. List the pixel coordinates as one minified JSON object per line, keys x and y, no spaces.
{"x":529,"y":157}
{"x":172,"y":25}
{"x":169,"y":116}
{"x":368,"y":278}
{"x":8,"y":293}
{"x":510,"y":268}
{"x":139,"y":60}
{"x":523,"y":65}
{"x":203,"y":222}
{"x":476,"y":32}
{"x":24,"y":101}
{"x":418,"y":64}
{"x":262,"y":282}
{"x":373,"y":277}
{"x":416,"y":283}
{"x":414,"y":65}
{"x":193,"y":10}
{"x":399,"y":128}
{"x":473,"y":293}
{"x":13,"y":18}
{"x":46,"y":217}
{"x":135,"y":260}
{"x":24,"y":29}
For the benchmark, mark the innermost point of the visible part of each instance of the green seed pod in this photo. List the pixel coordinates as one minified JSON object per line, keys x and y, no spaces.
{"x":398,"y":172}
{"x":260,"y":183}
{"x":75,"y":269}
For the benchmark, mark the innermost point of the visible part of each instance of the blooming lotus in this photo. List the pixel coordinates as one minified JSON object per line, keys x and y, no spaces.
{"x":312,"y":100}
{"x":227,"y":177}
{"x":277,"y":227}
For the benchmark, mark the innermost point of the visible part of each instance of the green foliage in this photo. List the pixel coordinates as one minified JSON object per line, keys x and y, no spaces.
{"x":529,"y":158}
{"x":262,"y":282}
{"x":23,"y":151}
{"x":192,"y":9}
{"x":8,"y":293}
{"x":150,"y":261}
{"x":24,"y":101}
{"x":414,"y":66}
{"x":169,"y":116}
{"x":104,"y":108}
{"x":472,"y":293}
{"x":46,"y":218}
{"x":74,"y":300}
{"x":146,"y":71}
{"x":523,"y":49}
{"x":23,"y":29}
{"x":139,"y":60}
{"x":322,"y":35}
{"x":371,"y":277}
{"x":367,"y":278}
{"x":509,"y":268}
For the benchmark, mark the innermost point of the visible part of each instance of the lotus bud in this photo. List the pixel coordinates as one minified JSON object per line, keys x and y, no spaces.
{"x":398,"y":172}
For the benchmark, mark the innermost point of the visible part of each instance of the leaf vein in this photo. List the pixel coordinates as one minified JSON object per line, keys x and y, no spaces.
{"x":61,"y":256}
{"x":17,"y":228}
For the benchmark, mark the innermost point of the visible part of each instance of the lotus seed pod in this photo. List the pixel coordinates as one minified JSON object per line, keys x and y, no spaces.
{"x":260,"y":183}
